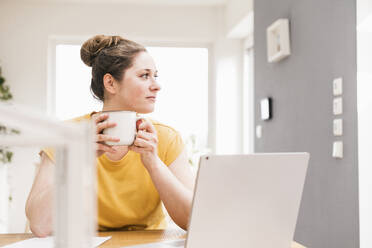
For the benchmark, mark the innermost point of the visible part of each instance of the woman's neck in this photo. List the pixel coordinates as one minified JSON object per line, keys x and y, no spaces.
{"x":110,"y":106}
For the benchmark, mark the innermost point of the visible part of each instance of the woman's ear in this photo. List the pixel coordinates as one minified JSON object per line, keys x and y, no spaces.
{"x":109,"y":83}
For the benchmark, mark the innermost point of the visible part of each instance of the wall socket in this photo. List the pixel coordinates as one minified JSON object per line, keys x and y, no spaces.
{"x":337,"y":86}
{"x":337,"y":106}
{"x":337,"y":127}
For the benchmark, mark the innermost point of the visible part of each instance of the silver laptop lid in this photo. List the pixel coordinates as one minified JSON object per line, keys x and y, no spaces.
{"x":247,"y":200}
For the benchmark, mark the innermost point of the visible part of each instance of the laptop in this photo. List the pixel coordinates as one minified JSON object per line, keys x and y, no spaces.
{"x":244,"y":201}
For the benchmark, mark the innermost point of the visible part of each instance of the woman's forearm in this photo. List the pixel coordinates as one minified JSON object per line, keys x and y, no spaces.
{"x":39,"y":206}
{"x":39,"y":213}
{"x":176,"y":197}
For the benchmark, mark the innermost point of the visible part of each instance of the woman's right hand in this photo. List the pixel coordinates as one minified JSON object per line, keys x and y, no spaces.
{"x":101,"y":124}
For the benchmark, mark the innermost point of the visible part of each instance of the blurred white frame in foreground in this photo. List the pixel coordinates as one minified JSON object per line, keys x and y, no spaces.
{"x":75,"y":201}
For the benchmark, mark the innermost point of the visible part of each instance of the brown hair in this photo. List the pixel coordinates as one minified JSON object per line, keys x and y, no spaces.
{"x":108,"y":54}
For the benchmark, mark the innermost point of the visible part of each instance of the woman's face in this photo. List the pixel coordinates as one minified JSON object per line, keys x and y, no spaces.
{"x":138,"y":88}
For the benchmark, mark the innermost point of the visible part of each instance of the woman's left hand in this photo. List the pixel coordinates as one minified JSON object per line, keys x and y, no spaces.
{"x":146,"y":143}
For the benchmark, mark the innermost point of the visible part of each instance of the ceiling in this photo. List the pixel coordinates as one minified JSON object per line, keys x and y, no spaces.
{"x":137,"y":2}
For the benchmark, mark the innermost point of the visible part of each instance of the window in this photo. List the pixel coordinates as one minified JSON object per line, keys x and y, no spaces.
{"x":182,"y":102}
{"x":248,"y":96}
{"x":183,"y":99}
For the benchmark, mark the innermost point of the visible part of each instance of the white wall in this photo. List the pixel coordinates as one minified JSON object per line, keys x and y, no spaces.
{"x":236,"y":22}
{"x":365,"y":136}
{"x":364,"y":9}
{"x":239,"y":15}
{"x":4,"y":194}
{"x":28,"y":28}
{"x":364,"y":55}
{"x":229,"y":70}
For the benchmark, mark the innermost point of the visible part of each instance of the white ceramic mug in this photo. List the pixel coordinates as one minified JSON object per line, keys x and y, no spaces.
{"x":125,"y":128}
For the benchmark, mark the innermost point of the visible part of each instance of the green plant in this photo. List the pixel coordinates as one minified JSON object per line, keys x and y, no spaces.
{"x":5,"y":95}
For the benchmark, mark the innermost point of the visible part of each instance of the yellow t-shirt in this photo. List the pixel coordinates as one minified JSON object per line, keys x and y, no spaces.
{"x":127,"y":197}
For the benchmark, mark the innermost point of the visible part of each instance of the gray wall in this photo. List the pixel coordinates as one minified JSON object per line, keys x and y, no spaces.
{"x":323,"y":43}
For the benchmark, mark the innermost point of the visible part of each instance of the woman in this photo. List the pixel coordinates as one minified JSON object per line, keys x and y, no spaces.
{"x":134,"y":180}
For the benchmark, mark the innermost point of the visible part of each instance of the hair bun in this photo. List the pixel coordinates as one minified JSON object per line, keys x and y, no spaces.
{"x":91,"y":48}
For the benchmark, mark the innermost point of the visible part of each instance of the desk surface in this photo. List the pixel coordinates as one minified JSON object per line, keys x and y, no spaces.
{"x":120,"y":239}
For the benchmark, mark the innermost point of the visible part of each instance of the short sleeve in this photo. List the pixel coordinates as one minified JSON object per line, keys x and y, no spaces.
{"x":174,"y":148}
{"x":50,"y":152}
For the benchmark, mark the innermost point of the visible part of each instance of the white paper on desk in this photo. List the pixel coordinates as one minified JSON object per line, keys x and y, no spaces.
{"x":48,"y":242}
{"x":164,"y":244}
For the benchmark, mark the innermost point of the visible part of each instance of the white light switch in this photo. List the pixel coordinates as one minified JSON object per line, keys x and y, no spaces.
{"x":337,"y":106}
{"x":258,"y":131}
{"x":337,"y":86}
{"x":265,"y":109}
{"x":337,"y":127}
{"x":337,"y":149}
